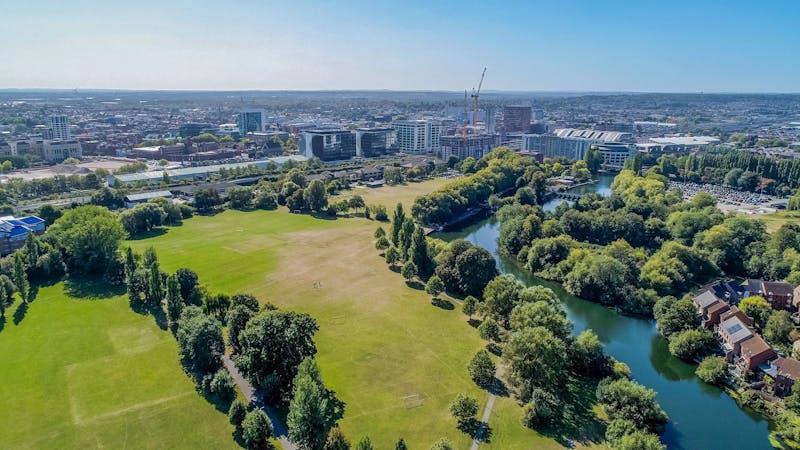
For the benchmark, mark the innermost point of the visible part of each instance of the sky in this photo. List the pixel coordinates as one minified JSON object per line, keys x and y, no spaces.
{"x":562,"y":45}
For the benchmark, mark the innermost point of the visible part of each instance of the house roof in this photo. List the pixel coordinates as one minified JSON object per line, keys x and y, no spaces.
{"x":736,"y":330}
{"x":778,"y":288}
{"x":788,"y":367}
{"x":719,"y":306}
{"x":734,"y":311}
{"x":705,"y":299}
{"x":144,"y":196}
{"x":755,"y":346}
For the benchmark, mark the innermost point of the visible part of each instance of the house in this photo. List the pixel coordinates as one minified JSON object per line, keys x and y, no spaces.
{"x":727,"y":290}
{"x":780,"y":295}
{"x":734,"y":311}
{"x":14,"y":231}
{"x":132,"y":200}
{"x":732,"y":333}
{"x":754,"y":352}
{"x":785,"y":371}
{"x":709,"y":308}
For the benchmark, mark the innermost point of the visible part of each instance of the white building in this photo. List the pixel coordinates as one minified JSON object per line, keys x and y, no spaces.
{"x":418,"y":136}
{"x":59,"y":125}
{"x":550,"y":146}
{"x":57,"y":151}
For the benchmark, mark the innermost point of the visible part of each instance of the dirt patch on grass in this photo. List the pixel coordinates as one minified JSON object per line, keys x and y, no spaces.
{"x":129,"y":340}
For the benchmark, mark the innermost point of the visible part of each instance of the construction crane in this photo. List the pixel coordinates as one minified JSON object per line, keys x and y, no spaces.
{"x":466,"y":117}
{"x":475,"y":94}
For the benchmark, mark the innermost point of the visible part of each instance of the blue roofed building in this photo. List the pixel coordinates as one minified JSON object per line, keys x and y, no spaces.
{"x":14,"y":231}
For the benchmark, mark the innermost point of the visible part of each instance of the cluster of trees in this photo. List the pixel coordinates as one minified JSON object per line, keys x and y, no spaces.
{"x":154,"y":213}
{"x":499,"y":171}
{"x":739,"y":169}
{"x":407,"y":245}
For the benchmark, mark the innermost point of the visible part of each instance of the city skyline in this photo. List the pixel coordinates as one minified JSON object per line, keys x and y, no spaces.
{"x":731,"y":47}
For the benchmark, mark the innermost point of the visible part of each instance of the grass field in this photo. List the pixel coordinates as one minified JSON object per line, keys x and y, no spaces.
{"x":393,"y":357}
{"x":81,"y":370}
{"x":389,"y":196}
{"x":775,"y":220}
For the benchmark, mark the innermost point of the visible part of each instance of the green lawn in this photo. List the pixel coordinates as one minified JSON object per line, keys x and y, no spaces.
{"x":389,"y":196}
{"x":394,"y":358}
{"x":84,"y":371}
{"x":775,"y":220}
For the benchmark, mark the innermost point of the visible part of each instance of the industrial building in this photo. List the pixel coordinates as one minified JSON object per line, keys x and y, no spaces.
{"x":14,"y":231}
{"x":676,"y":144}
{"x":196,"y":173}
{"x":475,"y":145}
{"x":418,"y":136}
{"x":328,"y":145}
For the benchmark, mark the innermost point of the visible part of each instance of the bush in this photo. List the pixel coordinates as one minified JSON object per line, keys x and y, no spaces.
{"x":237,"y":412}
{"x":617,"y":429}
{"x":712,"y":370}
{"x":639,"y":440}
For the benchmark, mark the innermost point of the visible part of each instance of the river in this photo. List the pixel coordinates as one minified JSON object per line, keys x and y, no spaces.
{"x":701,"y":416}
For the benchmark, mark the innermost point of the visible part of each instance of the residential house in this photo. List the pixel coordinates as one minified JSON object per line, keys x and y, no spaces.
{"x":714,"y":314}
{"x":709,"y":308}
{"x":734,"y":311}
{"x":754,"y":352}
{"x":732,"y":333}
{"x":786,"y":372}
{"x":780,"y":295}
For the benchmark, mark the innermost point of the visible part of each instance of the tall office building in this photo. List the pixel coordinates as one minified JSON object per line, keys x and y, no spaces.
{"x":418,"y":136}
{"x":59,"y":126}
{"x":328,"y":145}
{"x":374,"y":141}
{"x":516,"y":118}
{"x":251,"y":121}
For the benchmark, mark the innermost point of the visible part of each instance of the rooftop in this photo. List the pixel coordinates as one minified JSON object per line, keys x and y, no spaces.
{"x":686,"y":140}
{"x":736,"y":330}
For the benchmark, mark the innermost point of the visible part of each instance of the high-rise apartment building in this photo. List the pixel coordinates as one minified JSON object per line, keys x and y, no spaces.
{"x":418,"y":136}
{"x":59,"y":126}
{"x":516,"y":118}
{"x":252,"y":120}
{"x":550,"y":146}
{"x":474,"y":145}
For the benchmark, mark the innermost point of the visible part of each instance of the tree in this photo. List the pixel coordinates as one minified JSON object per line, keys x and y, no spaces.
{"x":189,"y":286}
{"x":535,"y":358}
{"x":409,"y":270}
{"x":757,"y":308}
{"x":482,"y":368}
{"x":155,"y":286}
{"x":237,"y":318}
{"x":256,"y":430}
{"x":541,"y":314}
{"x":398,"y":218}
{"x":206,"y":199}
{"x":792,"y":401}
{"x":588,"y":356}
{"x":639,"y":440}
{"x":90,"y":236}
{"x":673,"y":315}
{"x":470,"y":306}
{"x":617,"y":429}
{"x":597,"y":277}
{"x":272,"y":345}
{"x":691,"y":344}
{"x":364,"y":444}
{"x":314,"y":410}
{"x":434,"y":286}
{"x":336,"y":440}
{"x":626,"y":399}
{"x":778,"y":327}
{"x":315,"y":197}
{"x":542,"y":409}
{"x":20,"y":277}
{"x":49,"y":213}
{"x":464,"y":408}
{"x":418,"y":252}
{"x":392,"y":255}
{"x":465,"y":268}
{"x":174,"y":300}
{"x":382,"y":243}
{"x":296,"y":201}
{"x":237,"y":413}
{"x":356,"y":202}
{"x":401,"y":445}
{"x":489,"y":329}
{"x":266,"y":199}
{"x":221,"y":385}
{"x":200,"y":340}
{"x":500,"y":296}
{"x":240,"y":198}
{"x":406,"y":236}
{"x":713,"y":370}
{"x":379,"y":233}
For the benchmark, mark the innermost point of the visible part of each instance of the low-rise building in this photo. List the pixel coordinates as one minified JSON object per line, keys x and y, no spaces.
{"x":780,"y":295}
{"x":732,"y":333}
{"x":132,"y":200}
{"x":57,"y":151}
{"x":754,"y":352}
{"x":14,"y":231}
{"x":786,"y":371}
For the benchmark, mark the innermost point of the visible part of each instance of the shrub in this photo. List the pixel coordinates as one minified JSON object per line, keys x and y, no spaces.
{"x":712,"y":370}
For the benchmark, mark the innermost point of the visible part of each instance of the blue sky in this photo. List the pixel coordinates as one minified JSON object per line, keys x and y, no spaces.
{"x":665,"y":46}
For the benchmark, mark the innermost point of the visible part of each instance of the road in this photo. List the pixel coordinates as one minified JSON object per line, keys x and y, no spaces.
{"x":278,"y":427}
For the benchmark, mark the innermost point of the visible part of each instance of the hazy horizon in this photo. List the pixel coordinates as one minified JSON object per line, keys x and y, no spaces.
{"x":579,"y":46}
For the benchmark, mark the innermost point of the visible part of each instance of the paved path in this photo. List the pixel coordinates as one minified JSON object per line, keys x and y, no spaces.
{"x":278,"y":427}
{"x":487,"y":412}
